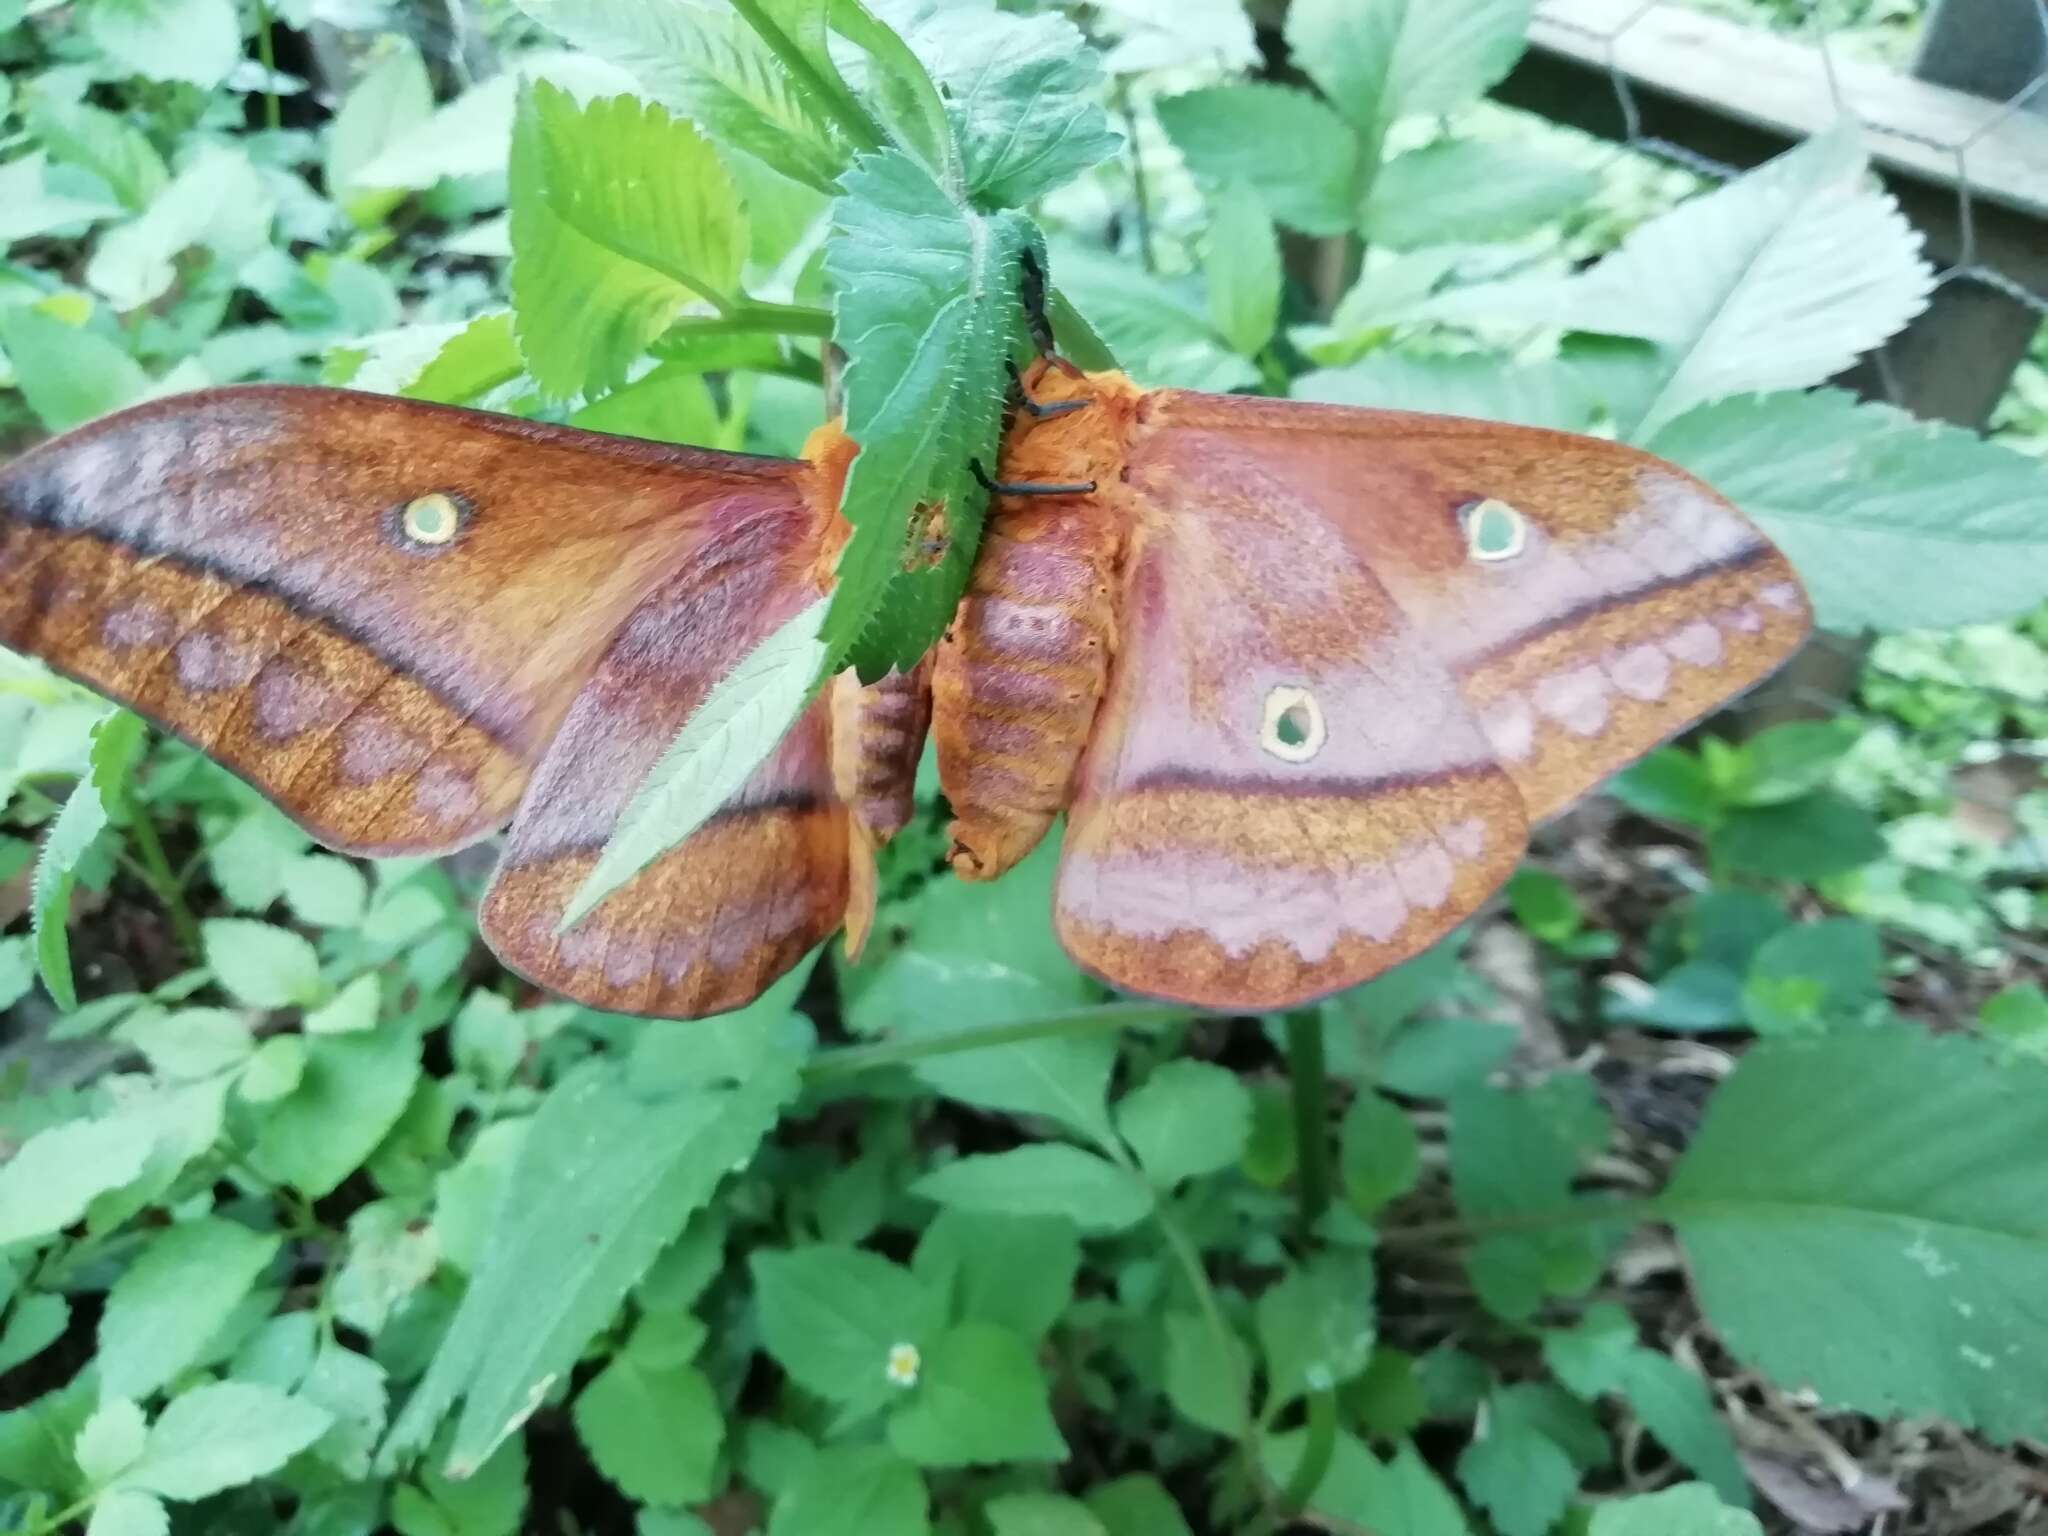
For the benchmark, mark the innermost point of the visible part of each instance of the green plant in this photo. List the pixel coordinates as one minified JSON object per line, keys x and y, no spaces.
{"x":314,"y":1221}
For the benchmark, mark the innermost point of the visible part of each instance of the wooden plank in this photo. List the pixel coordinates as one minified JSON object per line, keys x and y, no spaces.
{"x":1780,"y":86}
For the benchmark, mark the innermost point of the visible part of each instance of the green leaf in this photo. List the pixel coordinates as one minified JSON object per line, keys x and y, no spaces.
{"x":746,"y":713}
{"x":111,"y":1440}
{"x":124,"y":1512}
{"x":1469,"y":190}
{"x":653,"y":1429}
{"x":167,"y":1306}
{"x":832,"y":1315}
{"x":47,"y":1185}
{"x":195,"y":41}
{"x":1381,"y":59}
{"x":1316,"y":1327}
{"x":70,"y":839}
{"x":1022,"y":94}
{"x":1817,"y":835}
{"x":1401,"y":1497}
{"x":1778,"y":280}
{"x":17,"y":968}
{"x":1044,"y":1180}
{"x":1688,"y":1510}
{"x":1513,"y":1154}
{"x":351,"y":1091}
{"x":472,"y":362}
{"x":1040,"y":1514}
{"x":621,"y":214}
{"x":325,"y":891}
{"x":29,"y":208}
{"x":1014,"y":1270}
{"x":262,"y":966}
{"x":1155,"y":329}
{"x":1207,"y":1378}
{"x":1188,"y":1118}
{"x":76,"y":133}
{"x":1670,"y":784}
{"x":853,"y":1488}
{"x":2017,"y":1018}
{"x":1692,"y":996}
{"x":390,"y":1255}
{"x":980,"y":1399}
{"x":354,"y":1389}
{"x":34,"y":1323}
{"x":1435,"y":1058}
{"x":221,"y":1436}
{"x":1379,"y":1154}
{"x":1783,"y":762}
{"x":1137,"y":1505}
{"x":711,"y":68}
{"x":1878,"y":1185}
{"x":489,"y":1500}
{"x":1514,"y":1468}
{"x":1811,"y":975}
{"x":190,"y":1043}
{"x":1242,"y":267}
{"x":390,"y":100}
{"x":925,"y":305}
{"x":1865,"y":500}
{"x":1458,"y":384}
{"x":1254,"y":135}
{"x":620,"y":1167}
{"x":350,"y":1011}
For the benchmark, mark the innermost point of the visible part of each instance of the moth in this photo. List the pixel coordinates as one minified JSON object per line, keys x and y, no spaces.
{"x":1301,"y":676}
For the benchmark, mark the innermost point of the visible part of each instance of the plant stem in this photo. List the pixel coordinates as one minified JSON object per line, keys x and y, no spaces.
{"x":831,"y":95}
{"x":1139,"y":192}
{"x":1310,"y":1082}
{"x":162,"y":881}
{"x":1316,"y":1451}
{"x":273,"y":114}
{"x":849,"y":1060}
{"x":788,"y":319}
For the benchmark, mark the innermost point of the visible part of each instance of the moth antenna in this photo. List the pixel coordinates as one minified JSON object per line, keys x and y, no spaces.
{"x":1028,"y":487}
{"x":1040,"y":408}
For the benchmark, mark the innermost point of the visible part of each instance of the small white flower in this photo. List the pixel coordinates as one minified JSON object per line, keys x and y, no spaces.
{"x":903,"y":1363}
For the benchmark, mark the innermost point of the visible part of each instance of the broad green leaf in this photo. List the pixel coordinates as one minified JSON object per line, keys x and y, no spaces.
{"x":1021,"y":93}
{"x":351,"y":1090}
{"x":326,"y":891}
{"x":1401,"y":1497}
{"x":1821,"y":834}
{"x":221,"y":1436}
{"x":28,"y":207}
{"x":124,"y":1512}
{"x":1188,"y":1118}
{"x":1783,"y":762}
{"x":249,"y":862}
{"x":1043,"y":1180}
{"x":489,"y":1500}
{"x":1866,"y":500}
{"x":1811,"y":975}
{"x":1688,"y":1510}
{"x":84,"y":816}
{"x":1693,"y":995}
{"x":1301,"y":157}
{"x":746,"y":713}
{"x":76,"y":133}
{"x":34,"y":1323}
{"x":925,"y":306}
{"x":1670,"y":784}
{"x":832,"y":1315}
{"x":2017,"y":1018}
{"x":1514,"y":1469}
{"x":1435,"y":1058}
{"x":711,"y":67}
{"x":1514,"y":1153}
{"x":621,"y":214}
{"x":350,"y":1011}
{"x":391,"y":99}
{"x":111,"y":1440}
{"x":1456,"y":190}
{"x":1878,"y":1185}
{"x":17,"y":969}
{"x":1316,"y":1327}
{"x":1206,"y":1378}
{"x":1137,"y":1505}
{"x":1041,"y":1514}
{"x":621,"y":1168}
{"x":471,"y":363}
{"x":171,"y":1301}
{"x":653,"y":1429}
{"x":1155,"y":329}
{"x":354,"y":1389}
{"x":260,"y":965}
{"x":1014,"y":1270}
{"x":1538,"y":394}
{"x":1242,"y":268}
{"x":389,"y":1256}
{"x":980,"y":1399}
{"x":1381,"y":59}
{"x":197,"y":42}
{"x":670,"y":404}
{"x":1379,"y":1154}
{"x":219,"y":201}
{"x":853,"y":1488}
{"x":67,"y":373}
{"x":1778,"y":280}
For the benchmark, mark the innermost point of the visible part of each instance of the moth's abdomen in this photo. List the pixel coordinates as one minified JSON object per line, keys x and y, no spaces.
{"x":1019,"y":676}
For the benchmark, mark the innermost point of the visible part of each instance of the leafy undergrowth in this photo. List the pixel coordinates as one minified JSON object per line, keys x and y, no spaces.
{"x":1695,"y":1186}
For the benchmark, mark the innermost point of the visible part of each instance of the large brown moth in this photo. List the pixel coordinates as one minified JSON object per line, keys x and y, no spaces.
{"x":1301,"y":676}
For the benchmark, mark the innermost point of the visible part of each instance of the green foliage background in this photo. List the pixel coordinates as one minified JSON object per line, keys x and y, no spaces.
{"x":310,"y":1220}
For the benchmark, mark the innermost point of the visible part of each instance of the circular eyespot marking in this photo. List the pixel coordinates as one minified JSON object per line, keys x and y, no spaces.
{"x":1293,"y":730}
{"x":1493,"y":530}
{"x":427,"y":524}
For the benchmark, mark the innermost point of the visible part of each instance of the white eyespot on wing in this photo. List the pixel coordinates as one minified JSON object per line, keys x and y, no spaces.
{"x":1294,"y":729}
{"x":1494,"y":531}
{"x":429,"y":523}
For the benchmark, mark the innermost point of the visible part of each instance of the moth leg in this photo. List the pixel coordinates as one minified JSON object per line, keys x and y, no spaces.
{"x":1040,"y":408}
{"x":1028,"y":488}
